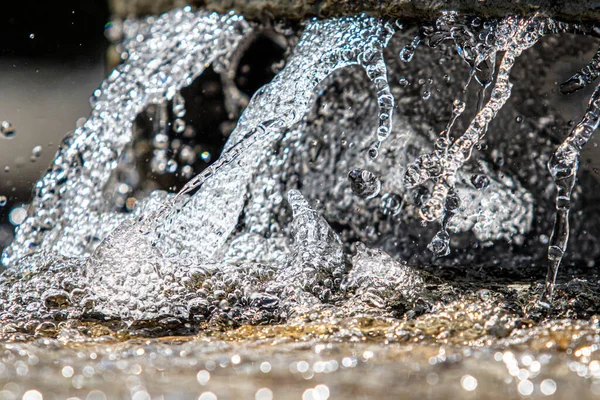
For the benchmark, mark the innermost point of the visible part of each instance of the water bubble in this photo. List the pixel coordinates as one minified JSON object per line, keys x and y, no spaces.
{"x":179,"y":105}
{"x":452,"y":201}
{"x":187,"y":171}
{"x":407,"y":53}
{"x":37,"y":151}
{"x":205,"y":156}
{"x":203,"y":377}
{"x":468,"y":383}
{"x":403,"y":82}
{"x":432,"y":210}
{"x":440,"y":244}
{"x":67,"y":371}
{"x":373,"y":152}
{"x":17,"y":215}
{"x":364,"y":183}
{"x":32,"y":395}
{"x":480,"y":181}
{"x":179,"y":125}
{"x":208,"y":396}
{"x":161,"y":141}
{"x":7,"y":130}
{"x":171,"y":166}
{"x":187,"y":155}
{"x":391,"y":204}
{"x":525,"y":388}
{"x":3,"y":201}
{"x":519,"y":119}
{"x":548,"y":387}
{"x":458,"y":107}
{"x":263,"y":394}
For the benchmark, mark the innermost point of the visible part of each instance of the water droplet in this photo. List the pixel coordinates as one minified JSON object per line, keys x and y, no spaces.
{"x":161,"y":141}
{"x":468,"y":383}
{"x":519,"y":119}
{"x":373,"y":152}
{"x":205,"y":156}
{"x":458,"y":107}
{"x":407,"y":53}
{"x":37,"y":151}
{"x":364,"y":183}
{"x":179,"y":105}
{"x":3,"y":201}
{"x":391,"y":204}
{"x":432,"y":210}
{"x":179,"y":125}
{"x":7,"y":130}
{"x":452,"y":202}
{"x":480,"y":182}
{"x":440,"y":244}
{"x":171,"y":166}
{"x":187,"y":171}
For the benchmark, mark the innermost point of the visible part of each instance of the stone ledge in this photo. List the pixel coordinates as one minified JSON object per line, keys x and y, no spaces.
{"x":574,"y":10}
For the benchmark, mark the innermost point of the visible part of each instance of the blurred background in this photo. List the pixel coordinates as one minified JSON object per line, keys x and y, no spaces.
{"x":52,"y":57}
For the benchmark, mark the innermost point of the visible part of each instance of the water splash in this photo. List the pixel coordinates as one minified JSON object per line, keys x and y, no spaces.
{"x":159,"y":63}
{"x":228,"y":247}
{"x":563,"y":167}
{"x":204,"y":224}
{"x":583,"y":77}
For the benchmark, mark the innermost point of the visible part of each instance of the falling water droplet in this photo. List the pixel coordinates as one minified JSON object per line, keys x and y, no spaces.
{"x":7,"y":130}
{"x":407,"y":53}
{"x":480,"y":182}
{"x":37,"y":151}
{"x":205,"y":156}
{"x":171,"y":166}
{"x":179,"y":105}
{"x":364,"y":183}
{"x":440,"y":244}
{"x":373,"y":151}
{"x":179,"y":125}
{"x":458,"y":107}
{"x":3,"y":201}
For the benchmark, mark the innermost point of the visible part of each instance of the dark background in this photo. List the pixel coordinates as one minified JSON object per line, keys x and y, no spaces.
{"x":52,"y":57}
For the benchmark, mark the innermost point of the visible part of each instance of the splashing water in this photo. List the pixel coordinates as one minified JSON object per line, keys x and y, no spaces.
{"x":306,"y":235}
{"x":228,"y":246}
{"x":158,"y":65}
{"x":563,"y":167}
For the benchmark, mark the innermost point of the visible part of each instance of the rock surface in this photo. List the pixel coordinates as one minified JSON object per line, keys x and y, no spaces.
{"x":577,"y":10}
